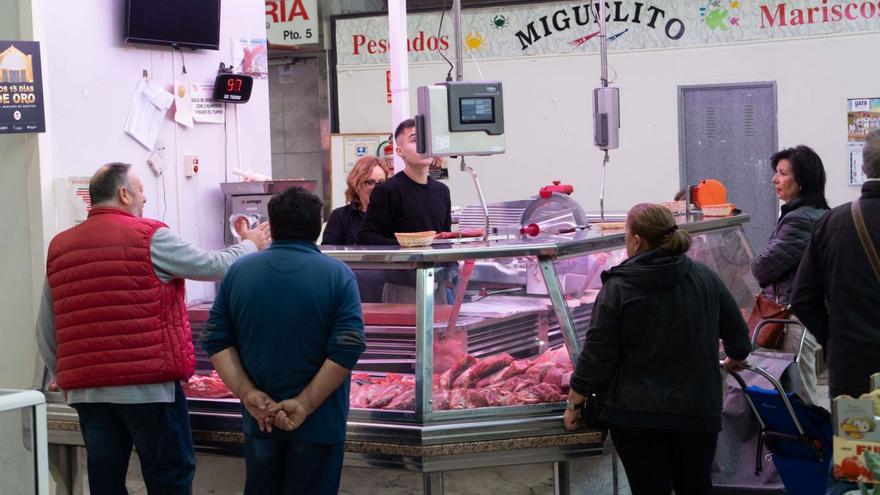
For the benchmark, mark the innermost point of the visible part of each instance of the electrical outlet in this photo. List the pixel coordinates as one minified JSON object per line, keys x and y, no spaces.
{"x":156,"y":163}
{"x":190,"y":165}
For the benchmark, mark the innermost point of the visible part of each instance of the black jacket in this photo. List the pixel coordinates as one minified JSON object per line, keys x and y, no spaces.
{"x":837,"y":295}
{"x":343,"y":226}
{"x":403,"y":205}
{"x":776,"y":265}
{"x":651,"y":352}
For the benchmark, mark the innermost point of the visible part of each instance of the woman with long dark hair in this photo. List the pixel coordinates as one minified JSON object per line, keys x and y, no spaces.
{"x":799,"y":181}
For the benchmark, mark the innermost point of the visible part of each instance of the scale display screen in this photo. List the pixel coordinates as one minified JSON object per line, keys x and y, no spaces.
{"x":477,"y":110}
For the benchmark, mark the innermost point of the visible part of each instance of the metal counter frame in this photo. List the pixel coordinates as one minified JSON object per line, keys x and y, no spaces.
{"x":438,"y":426}
{"x":420,"y":436}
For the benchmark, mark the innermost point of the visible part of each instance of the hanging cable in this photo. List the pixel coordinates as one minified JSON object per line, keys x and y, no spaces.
{"x":440,"y":30}
{"x":182,"y":59}
{"x":477,"y":64}
{"x":602,"y":194}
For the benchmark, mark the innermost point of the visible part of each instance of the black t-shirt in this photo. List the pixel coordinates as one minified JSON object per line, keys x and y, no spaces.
{"x":343,"y":226}
{"x":403,"y":205}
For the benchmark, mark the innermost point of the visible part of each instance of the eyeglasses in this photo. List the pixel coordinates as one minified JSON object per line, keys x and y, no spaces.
{"x":371,"y":182}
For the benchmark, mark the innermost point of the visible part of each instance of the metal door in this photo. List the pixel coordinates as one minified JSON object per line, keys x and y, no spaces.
{"x":728,"y":132}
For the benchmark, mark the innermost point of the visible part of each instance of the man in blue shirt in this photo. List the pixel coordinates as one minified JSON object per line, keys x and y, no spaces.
{"x":284,"y":333}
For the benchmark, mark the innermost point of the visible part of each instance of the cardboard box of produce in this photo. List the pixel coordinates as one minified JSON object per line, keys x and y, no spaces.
{"x":850,"y":462}
{"x":855,"y":419}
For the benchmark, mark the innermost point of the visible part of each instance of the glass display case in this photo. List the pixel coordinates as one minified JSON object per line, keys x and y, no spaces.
{"x":472,"y":341}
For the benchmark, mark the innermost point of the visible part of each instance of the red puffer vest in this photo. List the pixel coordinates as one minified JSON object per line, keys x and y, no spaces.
{"x":116,"y":323}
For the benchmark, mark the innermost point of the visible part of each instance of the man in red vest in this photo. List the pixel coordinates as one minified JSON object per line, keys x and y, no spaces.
{"x":114,"y":332}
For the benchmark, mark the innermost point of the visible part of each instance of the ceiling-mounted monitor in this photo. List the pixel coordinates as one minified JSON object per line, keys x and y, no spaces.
{"x":178,"y":23}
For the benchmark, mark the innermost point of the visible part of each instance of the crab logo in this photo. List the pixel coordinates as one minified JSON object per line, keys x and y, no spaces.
{"x":499,"y":22}
{"x":474,"y":41}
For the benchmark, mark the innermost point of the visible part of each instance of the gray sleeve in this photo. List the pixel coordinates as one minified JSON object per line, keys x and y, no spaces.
{"x":173,"y":257}
{"x":46,"y":329}
{"x":784,"y":251}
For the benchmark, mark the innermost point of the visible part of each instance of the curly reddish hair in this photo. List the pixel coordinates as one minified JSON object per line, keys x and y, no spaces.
{"x":361,"y":171}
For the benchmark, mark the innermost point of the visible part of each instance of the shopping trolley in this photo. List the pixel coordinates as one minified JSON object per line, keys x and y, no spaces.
{"x":797,"y":435}
{"x":732,"y":472}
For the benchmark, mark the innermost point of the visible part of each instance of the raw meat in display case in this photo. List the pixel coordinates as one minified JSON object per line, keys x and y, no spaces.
{"x":497,"y":380}
{"x":208,"y":386}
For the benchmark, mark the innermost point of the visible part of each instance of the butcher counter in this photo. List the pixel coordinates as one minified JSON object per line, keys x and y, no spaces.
{"x":469,"y":350}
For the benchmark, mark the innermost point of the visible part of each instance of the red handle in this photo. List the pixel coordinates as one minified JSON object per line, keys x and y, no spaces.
{"x":530,"y":229}
{"x":548,"y":191}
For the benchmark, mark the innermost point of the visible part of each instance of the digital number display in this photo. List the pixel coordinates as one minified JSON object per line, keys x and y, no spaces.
{"x":478,"y":110}
{"x":233,"y":88}
{"x":233,"y":85}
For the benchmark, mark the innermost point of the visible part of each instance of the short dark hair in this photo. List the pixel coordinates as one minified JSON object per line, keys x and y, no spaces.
{"x":105,"y":184}
{"x":406,"y":124}
{"x":295,"y":214}
{"x":809,"y":173}
{"x":871,"y":155}
{"x":681,"y":195}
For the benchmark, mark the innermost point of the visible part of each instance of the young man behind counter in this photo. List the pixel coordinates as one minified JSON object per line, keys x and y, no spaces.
{"x":410,"y":201}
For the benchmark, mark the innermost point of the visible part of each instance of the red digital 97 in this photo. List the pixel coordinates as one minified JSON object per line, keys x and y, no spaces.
{"x":233,"y":88}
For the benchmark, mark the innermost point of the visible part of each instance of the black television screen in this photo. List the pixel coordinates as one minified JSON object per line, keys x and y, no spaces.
{"x":180,"y":23}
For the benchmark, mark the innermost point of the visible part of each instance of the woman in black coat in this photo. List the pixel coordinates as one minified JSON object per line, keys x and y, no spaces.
{"x":799,"y":181}
{"x":651,"y":357}
{"x":345,"y":222}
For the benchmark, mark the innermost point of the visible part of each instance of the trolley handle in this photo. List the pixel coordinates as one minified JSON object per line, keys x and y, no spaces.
{"x":787,"y":321}
{"x":777,"y":386}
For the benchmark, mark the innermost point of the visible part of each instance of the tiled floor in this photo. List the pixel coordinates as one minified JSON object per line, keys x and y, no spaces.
{"x":217,"y":475}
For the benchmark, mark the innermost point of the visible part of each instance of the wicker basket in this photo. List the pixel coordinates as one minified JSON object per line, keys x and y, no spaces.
{"x":603,"y":226}
{"x":724,"y":210}
{"x":676,"y":207}
{"x":415,"y":239}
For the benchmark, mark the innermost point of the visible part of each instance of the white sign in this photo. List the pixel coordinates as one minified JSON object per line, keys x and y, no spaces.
{"x":182,"y":102}
{"x":285,"y":74}
{"x":204,"y":108}
{"x":73,"y":200}
{"x":563,"y":28}
{"x":357,"y":147}
{"x":292,"y":22}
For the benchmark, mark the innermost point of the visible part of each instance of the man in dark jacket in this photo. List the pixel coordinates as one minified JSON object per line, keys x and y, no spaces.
{"x":836,"y":293}
{"x":285,"y":331}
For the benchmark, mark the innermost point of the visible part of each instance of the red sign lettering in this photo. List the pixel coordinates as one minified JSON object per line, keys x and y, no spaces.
{"x":277,"y":9}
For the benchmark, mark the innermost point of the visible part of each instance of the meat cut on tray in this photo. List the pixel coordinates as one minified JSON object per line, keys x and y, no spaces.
{"x":460,"y":234}
{"x":498,"y":380}
{"x":208,"y":386}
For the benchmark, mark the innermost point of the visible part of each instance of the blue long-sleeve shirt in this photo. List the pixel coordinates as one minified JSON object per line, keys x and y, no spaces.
{"x":286,"y":310}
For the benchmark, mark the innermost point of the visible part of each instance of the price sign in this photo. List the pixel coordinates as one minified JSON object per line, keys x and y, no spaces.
{"x":292,"y":22}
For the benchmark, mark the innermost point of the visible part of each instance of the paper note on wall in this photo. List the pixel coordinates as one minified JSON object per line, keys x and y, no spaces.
{"x":147,"y":112}
{"x":73,"y":201}
{"x":182,"y":102}
{"x":251,"y":57}
{"x":204,"y":108}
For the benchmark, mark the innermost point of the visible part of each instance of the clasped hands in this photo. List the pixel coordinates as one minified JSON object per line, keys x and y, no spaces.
{"x":286,"y":415}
